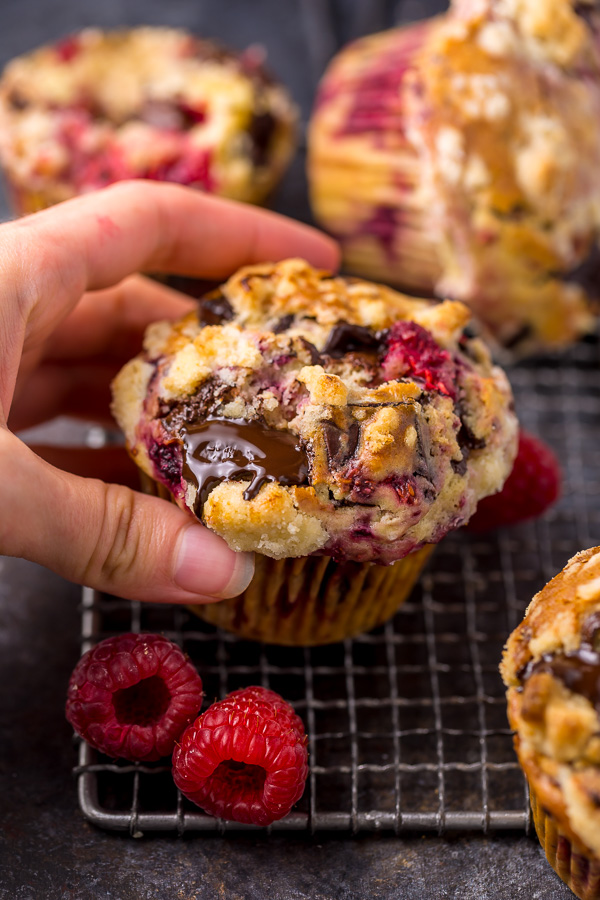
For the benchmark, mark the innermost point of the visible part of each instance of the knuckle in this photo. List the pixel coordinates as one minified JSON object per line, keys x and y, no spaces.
{"x":115,"y":554}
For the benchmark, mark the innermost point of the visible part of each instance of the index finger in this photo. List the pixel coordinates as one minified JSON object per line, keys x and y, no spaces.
{"x":95,"y":241}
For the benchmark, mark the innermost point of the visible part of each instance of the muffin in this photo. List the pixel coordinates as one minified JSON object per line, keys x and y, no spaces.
{"x":154,"y":103}
{"x":335,"y":427}
{"x":459,"y":157}
{"x":551,"y":667}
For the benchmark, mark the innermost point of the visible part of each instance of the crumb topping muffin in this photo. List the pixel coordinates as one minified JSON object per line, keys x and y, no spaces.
{"x":297,"y":412}
{"x":463,"y":153}
{"x":551,"y":667}
{"x":153,"y":103}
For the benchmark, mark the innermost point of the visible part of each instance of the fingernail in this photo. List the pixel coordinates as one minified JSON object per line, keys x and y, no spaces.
{"x":205,"y":565}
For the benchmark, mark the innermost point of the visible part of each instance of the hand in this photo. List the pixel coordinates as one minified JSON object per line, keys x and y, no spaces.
{"x":69,"y":318}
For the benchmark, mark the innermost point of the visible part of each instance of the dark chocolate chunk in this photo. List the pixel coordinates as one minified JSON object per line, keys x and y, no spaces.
{"x":261,"y":130}
{"x":590,"y":629}
{"x":460,"y":466}
{"x":466,"y":438}
{"x":199,"y":406}
{"x":215,"y":308}
{"x":589,"y":12}
{"x":17,"y":101}
{"x":579,"y":671}
{"x":587,"y":273}
{"x":347,"y":338}
{"x":315,"y":356}
{"x":340,"y":445}
{"x":283,"y":324}
{"x":235,"y":449}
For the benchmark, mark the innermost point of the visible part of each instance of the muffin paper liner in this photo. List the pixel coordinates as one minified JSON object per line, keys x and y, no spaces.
{"x":311,"y":600}
{"x":571,"y":862}
{"x":368,"y":196}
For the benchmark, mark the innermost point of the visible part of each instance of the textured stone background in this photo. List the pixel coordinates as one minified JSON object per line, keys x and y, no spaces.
{"x":46,"y":849}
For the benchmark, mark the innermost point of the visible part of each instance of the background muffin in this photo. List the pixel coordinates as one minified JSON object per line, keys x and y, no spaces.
{"x":299,"y":413}
{"x":153,"y":103}
{"x":460,"y":156}
{"x":552,"y":669}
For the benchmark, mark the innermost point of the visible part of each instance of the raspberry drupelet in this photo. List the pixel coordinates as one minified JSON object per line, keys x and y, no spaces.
{"x":244,"y":759}
{"x":131,"y":696}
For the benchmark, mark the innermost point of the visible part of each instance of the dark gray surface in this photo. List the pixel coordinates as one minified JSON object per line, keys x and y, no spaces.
{"x":46,"y":849}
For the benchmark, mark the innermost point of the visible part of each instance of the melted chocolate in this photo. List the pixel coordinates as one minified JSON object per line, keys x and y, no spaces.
{"x":347,"y":338}
{"x":235,"y":449}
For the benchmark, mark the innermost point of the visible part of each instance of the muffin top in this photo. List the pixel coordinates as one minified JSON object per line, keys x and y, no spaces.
{"x":499,"y":102}
{"x":149,"y":102}
{"x":296,"y":412}
{"x":551,"y":666}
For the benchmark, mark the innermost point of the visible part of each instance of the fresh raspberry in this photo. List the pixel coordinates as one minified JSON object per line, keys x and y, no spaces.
{"x":412,"y":351}
{"x":133,"y":695}
{"x":244,"y":759}
{"x":532,"y":486}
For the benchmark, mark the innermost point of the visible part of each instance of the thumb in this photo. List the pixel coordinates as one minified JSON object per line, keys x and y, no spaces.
{"x":110,"y":537}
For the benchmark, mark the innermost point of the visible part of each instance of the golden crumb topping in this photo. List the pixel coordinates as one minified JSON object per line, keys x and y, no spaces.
{"x":551,"y":666}
{"x":300,"y":412}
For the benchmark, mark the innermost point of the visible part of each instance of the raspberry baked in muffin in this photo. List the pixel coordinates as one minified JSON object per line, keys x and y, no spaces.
{"x":551,"y":667}
{"x":155,"y":103}
{"x":459,"y":156}
{"x":313,"y":418}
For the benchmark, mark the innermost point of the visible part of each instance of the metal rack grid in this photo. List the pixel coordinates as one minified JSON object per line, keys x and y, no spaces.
{"x":407,"y":725}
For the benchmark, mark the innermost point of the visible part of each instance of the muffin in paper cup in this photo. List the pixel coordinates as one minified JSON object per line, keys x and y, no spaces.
{"x":310,"y":600}
{"x":459,"y":157}
{"x":334,"y":427}
{"x":156,"y":103}
{"x":551,"y":667}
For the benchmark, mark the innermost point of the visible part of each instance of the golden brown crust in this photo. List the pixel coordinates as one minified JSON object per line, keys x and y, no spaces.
{"x":558,"y":728}
{"x":405,"y":422}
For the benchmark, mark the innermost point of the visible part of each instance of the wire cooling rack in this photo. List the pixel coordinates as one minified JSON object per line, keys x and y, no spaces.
{"x":407,"y":725}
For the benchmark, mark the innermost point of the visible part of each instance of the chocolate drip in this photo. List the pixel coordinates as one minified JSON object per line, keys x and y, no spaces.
{"x":236,"y":449}
{"x":347,"y":338}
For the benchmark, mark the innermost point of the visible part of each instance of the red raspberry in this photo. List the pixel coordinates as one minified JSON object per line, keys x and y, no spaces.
{"x":412,"y":351}
{"x":244,"y":759}
{"x":133,"y":695}
{"x":532,"y":486}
